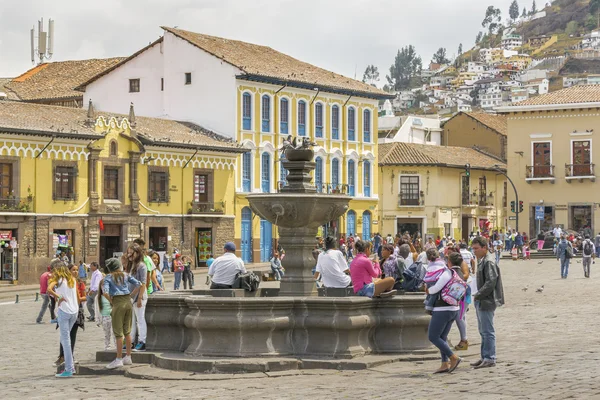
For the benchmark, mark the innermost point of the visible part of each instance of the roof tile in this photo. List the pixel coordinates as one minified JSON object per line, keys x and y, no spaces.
{"x":574,"y":94}
{"x":492,"y":121}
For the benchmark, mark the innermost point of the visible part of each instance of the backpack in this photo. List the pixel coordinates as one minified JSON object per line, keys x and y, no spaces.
{"x":569,"y":251}
{"x":248,"y":281}
{"x":455,"y":290}
{"x":587,"y":248}
{"x":413,"y":277}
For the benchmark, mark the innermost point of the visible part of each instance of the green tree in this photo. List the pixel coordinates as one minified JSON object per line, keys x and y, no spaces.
{"x":594,"y":6}
{"x":407,"y":65}
{"x":371,"y":75}
{"x":478,"y":37}
{"x":513,"y":11}
{"x":590,"y":22}
{"x":460,"y":49}
{"x":533,"y":8}
{"x":572,"y":28}
{"x":440,"y":56}
{"x":524,"y":13}
{"x":493,"y":17}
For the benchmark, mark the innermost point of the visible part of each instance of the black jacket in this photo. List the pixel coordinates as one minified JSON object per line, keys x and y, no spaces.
{"x":489,"y":284}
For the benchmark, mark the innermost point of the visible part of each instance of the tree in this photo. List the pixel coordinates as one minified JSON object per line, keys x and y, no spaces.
{"x":533,"y":8}
{"x":440,"y":57}
{"x":492,"y":19}
{"x":460,"y":49}
{"x":572,"y":28}
{"x":590,"y":22}
{"x":594,"y":6}
{"x":371,"y":75}
{"x":407,"y":64}
{"x":513,"y":11}
{"x":478,"y":38}
{"x":524,"y":13}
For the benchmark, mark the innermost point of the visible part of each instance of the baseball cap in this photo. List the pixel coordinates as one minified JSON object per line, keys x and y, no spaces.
{"x":230,"y":246}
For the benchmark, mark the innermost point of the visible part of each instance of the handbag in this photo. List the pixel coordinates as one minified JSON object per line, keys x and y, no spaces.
{"x":80,"y":322}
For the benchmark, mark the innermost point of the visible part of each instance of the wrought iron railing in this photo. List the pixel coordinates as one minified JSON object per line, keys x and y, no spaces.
{"x":206,"y":207}
{"x":539,"y":171}
{"x":332,"y":188}
{"x":16,"y":204}
{"x":575,"y":170}
{"x":404,"y":200}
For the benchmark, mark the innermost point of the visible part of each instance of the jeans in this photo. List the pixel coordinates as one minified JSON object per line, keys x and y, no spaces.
{"x":485,"y":323}
{"x":138,"y":320}
{"x":91,"y":297}
{"x":597,"y":251}
{"x":73,"y":336}
{"x":45,"y":304}
{"x":498,"y":254}
{"x":564,"y":266}
{"x":278,"y":273}
{"x":509,"y":245}
{"x":220,"y":286}
{"x":177,"y":280}
{"x":187,"y":277}
{"x":52,"y":307}
{"x":165,"y":266}
{"x":439,"y":327}
{"x":65,"y":323}
{"x":587,"y":262}
{"x":461,"y":324}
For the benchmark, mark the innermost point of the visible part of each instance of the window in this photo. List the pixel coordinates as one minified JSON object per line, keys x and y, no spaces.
{"x":351,"y":177}
{"x":134,"y":85}
{"x":283,"y":115}
{"x":6,"y":180}
{"x":302,"y":118}
{"x":200,"y":188}
{"x":335,"y":173}
{"x":247,"y":111}
{"x":158,"y":187}
{"x":162,"y":84}
{"x":319,"y":120}
{"x":266,"y":113}
{"x":409,"y":190}
{"x":188,"y":78}
{"x":582,"y":158}
{"x":351,"y":123}
{"x":283,"y":173}
{"x":266,"y":172}
{"x":111,"y":183}
{"x":482,"y":191}
{"x":319,"y":174}
{"x":247,"y":172}
{"x":113,"y":148}
{"x":367,"y":179}
{"x":542,"y":159}
{"x":335,"y":122}
{"x":64,"y":183}
{"x":367,"y":126}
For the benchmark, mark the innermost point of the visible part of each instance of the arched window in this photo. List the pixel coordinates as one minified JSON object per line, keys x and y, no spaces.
{"x":283,"y":116}
{"x":367,"y":126}
{"x":113,"y":148}
{"x":335,"y":174}
{"x":302,"y":118}
{"x":319,"y":120}
{"x":247,"y":172}
{"x":335,"y":122}
{"x":283,"y":173}
{"x":247,"y":111}
{"x":351,"y":123}
{"x":351,"y":179}
{"x":319,"y":174}
{"x":266,"y":113}
{"x":350,"y":222}
{"x":367,"y":179}
{"x":266,"y":172}
{"x":366,"y":225}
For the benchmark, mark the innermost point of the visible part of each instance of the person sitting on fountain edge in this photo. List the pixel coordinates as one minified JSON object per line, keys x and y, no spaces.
{"x":225,"y":268}
{"x":332,"y":266}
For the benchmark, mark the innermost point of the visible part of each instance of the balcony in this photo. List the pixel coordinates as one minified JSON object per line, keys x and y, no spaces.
{"x":579,"y":171}
{"x":539,"y":173}
{"x":206,"y":207}
{"x":16,"y":204}
{"x":410,"y":201}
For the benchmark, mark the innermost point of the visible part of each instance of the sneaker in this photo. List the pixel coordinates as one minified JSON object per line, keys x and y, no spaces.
{"x":38,"y":322}
{"x":53,"y":321}
{"x":389,"y":293}
{"x":141,"y":346}
{"x":127,"y":360}
{"x":117,"y":363}
{"x":90,"y":319}
{"x":485,"y":364}
{"x":477,"y":363}
{"x":64,"y":374}
{"x":59,"y":360}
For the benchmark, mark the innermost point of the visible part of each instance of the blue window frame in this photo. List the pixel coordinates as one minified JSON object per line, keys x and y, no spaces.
{"x":247,"y":111}
{"x":302,"y":118}
{"x":335,"y":122}
{"x":266,"y":113}
{"x":283,"y":173}
{"x":351,"y":123}
{"x":247,"y":172}
{"x":366,"y":231}
{"x":335,"y":173}
{"x":319,"y":120}
{"x":266,"y":172}
{"x":367,"y":179}
{"x":319,"y":174}
{"x":367,"y":126}
{"x":351,"y":179}
{"x":283,"y":115}
{"x":351,"y":222}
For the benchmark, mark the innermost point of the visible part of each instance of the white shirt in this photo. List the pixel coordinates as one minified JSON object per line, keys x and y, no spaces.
{"x":224,"y":269}
{"x":557,"y":232}
{"x":71,"y":305}
{"x":96,"y":278}
{"x":467,"y":256}
{"x":331,"y":265}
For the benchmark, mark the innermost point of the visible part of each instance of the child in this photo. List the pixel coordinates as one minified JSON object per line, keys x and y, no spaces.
{"x":104,"y":309}
{"x":527,"y":254}
{"x":514,"y":254}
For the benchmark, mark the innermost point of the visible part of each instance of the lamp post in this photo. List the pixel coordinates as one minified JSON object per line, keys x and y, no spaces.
{"x":497,"y":168}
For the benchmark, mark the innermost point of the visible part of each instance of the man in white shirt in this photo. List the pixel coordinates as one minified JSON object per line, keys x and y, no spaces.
{"x":225,"y":268}
{"x":91,"y":295}
{"x":332,"y":266}
{"x":557,"y":232}
{"x":467,"y":257}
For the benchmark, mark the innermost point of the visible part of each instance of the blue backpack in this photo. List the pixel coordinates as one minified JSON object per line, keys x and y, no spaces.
{"x":413,"y":277}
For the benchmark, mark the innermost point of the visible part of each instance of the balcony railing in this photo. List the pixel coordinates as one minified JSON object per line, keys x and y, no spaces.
{"x":206,"y":207}
{"x":579,"y":170}
{"x":540,"y":171}
{"x":16,"y":204}
{"x":332,"y":188}
{"x":404,"y":201}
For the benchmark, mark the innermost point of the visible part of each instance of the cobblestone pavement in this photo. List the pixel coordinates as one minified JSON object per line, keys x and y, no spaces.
{"x":548,"y":348}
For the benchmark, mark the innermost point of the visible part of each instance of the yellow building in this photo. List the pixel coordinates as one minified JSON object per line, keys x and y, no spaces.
{"x":551,"y":159}
{"x":426,"y":189}
{"x":87,"y":184}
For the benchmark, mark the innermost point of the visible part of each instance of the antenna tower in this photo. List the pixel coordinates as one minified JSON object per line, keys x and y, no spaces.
{"x":44,"y":48}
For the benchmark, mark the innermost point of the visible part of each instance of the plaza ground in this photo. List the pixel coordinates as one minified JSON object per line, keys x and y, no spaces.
{"x":547,"y":349}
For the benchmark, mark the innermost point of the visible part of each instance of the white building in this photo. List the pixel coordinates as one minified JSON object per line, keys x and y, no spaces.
{"x":418,"y":129}
{"x":591,"y":40}
{"x":475,"y":67}
{"x":512,"y":41}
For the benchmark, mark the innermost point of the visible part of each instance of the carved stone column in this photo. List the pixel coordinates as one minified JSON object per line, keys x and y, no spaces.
{"x":134,"y":159}
{"x":93,"y":179}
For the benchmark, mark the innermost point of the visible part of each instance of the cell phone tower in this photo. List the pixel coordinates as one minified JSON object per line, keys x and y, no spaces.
{"x":45,"y":42}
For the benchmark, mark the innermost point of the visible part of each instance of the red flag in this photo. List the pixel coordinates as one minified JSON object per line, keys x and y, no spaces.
{"x":101,"y":224}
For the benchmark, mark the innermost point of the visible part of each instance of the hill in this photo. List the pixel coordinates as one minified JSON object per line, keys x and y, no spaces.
{"x":558,"y":15}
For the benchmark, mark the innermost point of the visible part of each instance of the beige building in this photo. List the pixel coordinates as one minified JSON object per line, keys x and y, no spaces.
{"x":551,"y":159}
{"x":424,"y":188}
{"x":484,"y":130}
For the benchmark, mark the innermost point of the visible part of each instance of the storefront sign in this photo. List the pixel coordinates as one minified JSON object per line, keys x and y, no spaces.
{"x":173,"y":188}
{"x":5,"y":235}
{"x":409,"y":172}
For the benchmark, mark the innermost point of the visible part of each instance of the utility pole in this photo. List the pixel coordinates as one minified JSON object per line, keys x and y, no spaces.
{"x":517,"y":211}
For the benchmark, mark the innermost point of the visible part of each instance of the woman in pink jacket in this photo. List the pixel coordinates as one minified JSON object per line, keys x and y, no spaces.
{"x":365,"y":274}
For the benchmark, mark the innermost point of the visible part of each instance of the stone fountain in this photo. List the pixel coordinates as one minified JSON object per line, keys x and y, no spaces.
{"x":195,"y":330}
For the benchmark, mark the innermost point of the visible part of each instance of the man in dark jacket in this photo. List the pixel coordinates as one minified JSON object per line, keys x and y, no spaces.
{"x":489,"y":296}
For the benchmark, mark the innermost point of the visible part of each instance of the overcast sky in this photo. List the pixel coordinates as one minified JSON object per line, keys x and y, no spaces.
{"x":340,"y":35}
